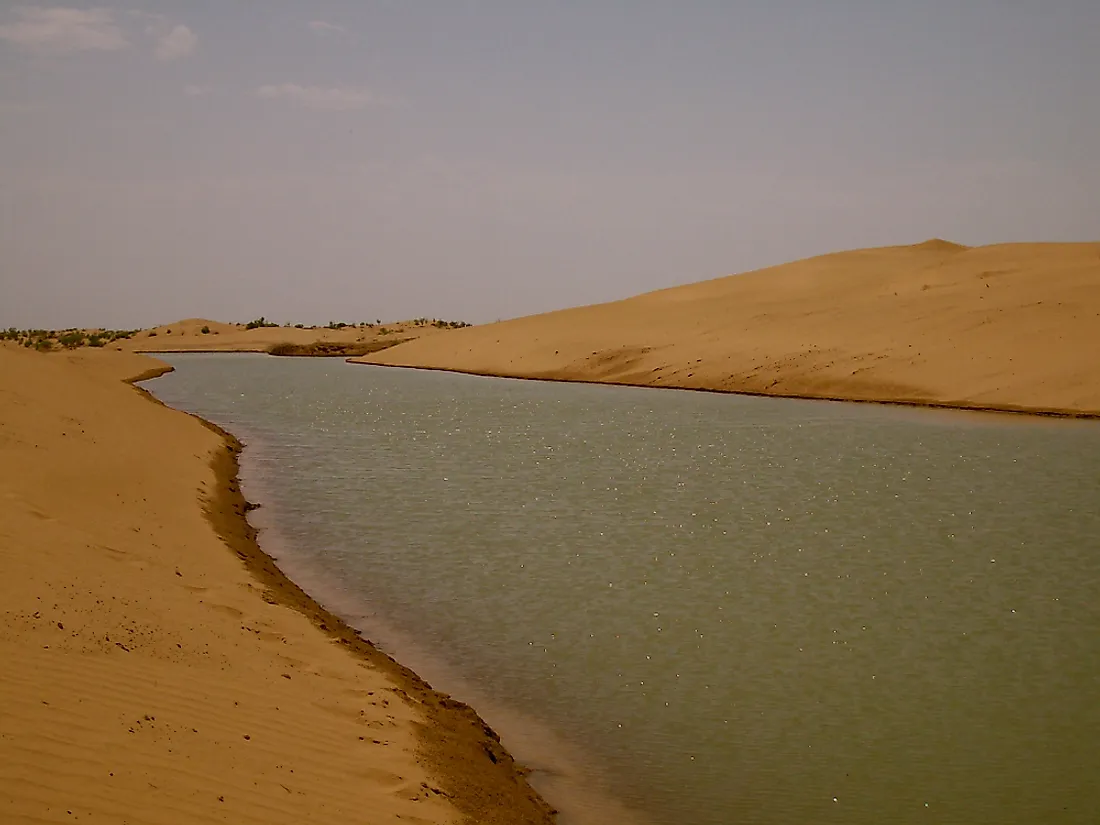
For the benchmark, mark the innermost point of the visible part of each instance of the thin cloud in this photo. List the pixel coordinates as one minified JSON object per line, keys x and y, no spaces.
{"x":325,"y":28}
{"x":63,"y":30}
{"x":177,"y":43}
{"x":192,"y":90}
{"x":337,"y":99}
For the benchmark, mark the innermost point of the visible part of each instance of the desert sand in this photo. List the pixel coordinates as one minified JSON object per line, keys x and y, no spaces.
{"x":158,"y":668}
{"x":1012,"y":327}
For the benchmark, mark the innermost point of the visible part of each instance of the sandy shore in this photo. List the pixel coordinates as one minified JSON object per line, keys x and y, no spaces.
{"x":188,"y":336}
{"x":1012,"y":327}
{"x":158,"y":666}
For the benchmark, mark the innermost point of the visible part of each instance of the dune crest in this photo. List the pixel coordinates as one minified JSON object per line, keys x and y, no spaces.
{"x":940,"y":245}
{"x":1007,"y":327}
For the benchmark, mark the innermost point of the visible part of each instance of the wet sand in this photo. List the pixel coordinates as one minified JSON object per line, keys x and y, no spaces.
{"x":1012,"y":327}
{"x":161,"y":668}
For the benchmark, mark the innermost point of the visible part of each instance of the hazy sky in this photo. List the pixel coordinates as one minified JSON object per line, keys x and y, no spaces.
{"x":361,"y":159}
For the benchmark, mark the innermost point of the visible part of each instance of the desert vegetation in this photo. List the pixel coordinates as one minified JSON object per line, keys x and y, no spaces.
{"x":439,"y":323}
{"x":345,"y":349}
{"x":45,"y":340}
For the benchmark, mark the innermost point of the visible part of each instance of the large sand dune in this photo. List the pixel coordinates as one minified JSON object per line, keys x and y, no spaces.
{"x":157,"y":668}
{"x":1012,"y":327}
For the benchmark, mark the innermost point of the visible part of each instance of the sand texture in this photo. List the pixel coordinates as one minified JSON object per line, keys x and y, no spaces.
{"x":1009,"y":327}
{"x":158,"y":668}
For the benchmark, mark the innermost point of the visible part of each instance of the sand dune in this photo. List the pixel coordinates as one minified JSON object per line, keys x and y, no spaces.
{"x":1012,"y":327}
{"x":151,"y":674}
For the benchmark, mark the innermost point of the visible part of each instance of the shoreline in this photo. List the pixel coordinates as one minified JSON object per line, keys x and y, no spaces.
{"x":314,"y":350}
{"x":455,"y":743}
{"x":1000,"y":328}
{"x":562,"y":778}
{"x":916,"y":403}
{"x":153,"y":675}
{"x":568,"y":776}
{"x":1007,"y":409}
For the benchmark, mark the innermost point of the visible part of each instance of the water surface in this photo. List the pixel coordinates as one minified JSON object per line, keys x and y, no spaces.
{"x":747,"y":610}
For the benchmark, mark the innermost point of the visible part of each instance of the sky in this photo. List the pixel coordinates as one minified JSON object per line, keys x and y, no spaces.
{"x":484,"y":159}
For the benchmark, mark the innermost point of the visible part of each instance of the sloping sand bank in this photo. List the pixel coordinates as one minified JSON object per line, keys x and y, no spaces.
{"x":1008,"y":327}
{"x":158,"y":668}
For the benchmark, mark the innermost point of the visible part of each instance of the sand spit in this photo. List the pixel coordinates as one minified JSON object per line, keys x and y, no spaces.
{"x":1012,"y":327}
{"x":188,"y":336}
{"x":158,"y":666}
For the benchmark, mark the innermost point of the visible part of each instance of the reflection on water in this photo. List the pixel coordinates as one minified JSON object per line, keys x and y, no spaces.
{"x":748,"y":610}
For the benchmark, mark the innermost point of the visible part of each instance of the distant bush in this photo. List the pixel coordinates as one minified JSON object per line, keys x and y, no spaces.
{"x":71,"y":340}
{"x":260,"y":322}
{"x":152,"y":333}
{"x":205,"y":330}
{"x":95,"y":341}
{"x":43,"y":344}
{"x":343,"y":349}
{"x":299,"y":326}
{"x":336,"y":325}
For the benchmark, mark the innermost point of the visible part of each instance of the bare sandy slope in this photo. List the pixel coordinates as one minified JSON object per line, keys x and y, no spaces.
{"x":152,"y":674}
{"x":187,"y":336}
{"x":1014,"y":327}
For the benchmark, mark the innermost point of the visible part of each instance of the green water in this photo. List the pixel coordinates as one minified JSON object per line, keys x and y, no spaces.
{"x":747,"y":610}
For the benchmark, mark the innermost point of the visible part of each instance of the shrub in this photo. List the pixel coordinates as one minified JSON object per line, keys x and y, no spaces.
{"x":205,"y":330}
{"x":71,"y":340}
{"x":152,"y":333}
{"x":260,"y":322}
{"x":95,"y":341}
{"x":43,"y":344}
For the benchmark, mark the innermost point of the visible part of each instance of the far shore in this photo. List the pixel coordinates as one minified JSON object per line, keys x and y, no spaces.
{"x":205,"y":335}
{"x":930,"y":405}
{"x":1007,"y":328}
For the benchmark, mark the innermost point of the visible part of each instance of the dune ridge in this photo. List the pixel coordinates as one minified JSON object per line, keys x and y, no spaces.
{"x":1009,"y":327}
{"x":151,"y":675}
